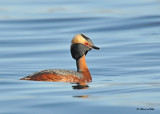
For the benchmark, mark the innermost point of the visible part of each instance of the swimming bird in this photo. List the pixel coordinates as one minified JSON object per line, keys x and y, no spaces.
{"x":80,"y":45}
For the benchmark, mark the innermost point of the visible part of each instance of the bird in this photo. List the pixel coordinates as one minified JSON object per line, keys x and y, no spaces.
{"x":80,"y":46}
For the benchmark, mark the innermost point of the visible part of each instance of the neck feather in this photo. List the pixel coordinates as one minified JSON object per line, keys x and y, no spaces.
{"x":82,"y":67}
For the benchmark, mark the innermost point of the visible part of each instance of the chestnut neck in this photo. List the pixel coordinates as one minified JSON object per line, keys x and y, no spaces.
{"x":83,"y":68}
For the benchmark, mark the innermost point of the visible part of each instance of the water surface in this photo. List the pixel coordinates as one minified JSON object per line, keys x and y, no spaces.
{"x":36,"y":35}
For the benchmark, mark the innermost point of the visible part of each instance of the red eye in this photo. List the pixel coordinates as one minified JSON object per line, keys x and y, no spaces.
{"x":86,"y":44}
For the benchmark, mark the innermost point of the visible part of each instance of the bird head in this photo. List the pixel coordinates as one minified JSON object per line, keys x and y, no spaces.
{"x":80,"y":45}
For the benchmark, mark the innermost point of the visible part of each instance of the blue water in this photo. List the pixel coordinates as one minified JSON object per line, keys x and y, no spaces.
{"x":36,"y":35}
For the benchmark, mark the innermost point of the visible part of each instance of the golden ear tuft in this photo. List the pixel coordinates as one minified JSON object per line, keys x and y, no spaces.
{"x":78,"y":39}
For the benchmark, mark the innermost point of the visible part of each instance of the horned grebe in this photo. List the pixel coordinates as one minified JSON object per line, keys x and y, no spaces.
{"x":80,"y":45}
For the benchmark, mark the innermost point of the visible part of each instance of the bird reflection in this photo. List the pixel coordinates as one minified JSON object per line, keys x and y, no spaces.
{"x":82,"y":96}
{"x":80,"y":86}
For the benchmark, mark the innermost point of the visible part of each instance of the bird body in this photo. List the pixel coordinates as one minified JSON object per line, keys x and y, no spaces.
{"x":80,"y":45}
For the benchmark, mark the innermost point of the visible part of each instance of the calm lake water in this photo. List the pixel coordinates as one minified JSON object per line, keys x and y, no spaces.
{"x":36,"y":35}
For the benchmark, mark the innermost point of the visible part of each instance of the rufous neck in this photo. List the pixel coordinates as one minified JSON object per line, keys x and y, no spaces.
{"x":82,"y":68}
{"x":81,"y":64}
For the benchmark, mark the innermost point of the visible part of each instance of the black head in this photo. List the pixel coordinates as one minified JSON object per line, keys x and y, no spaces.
{"x":81,"y":44}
